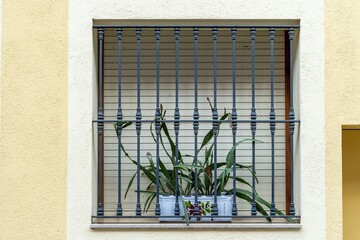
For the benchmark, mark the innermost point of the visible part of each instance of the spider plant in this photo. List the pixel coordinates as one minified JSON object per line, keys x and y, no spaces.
{"x":186,"y":171}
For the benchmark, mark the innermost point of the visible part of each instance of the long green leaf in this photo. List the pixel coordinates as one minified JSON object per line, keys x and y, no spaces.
{"x":241,"y":180}
{"x":248,"y":168}
{"x":126,"y":153}
{"x":201,"y":187}
{"x":208,"y":153}
{"x":186,"y":214}
{"x":148,"y":174}
{"x":207,"y":138}
{"x":259,"y":208}
{"x":218,"y":165}
{"x":190,"y":186}
{"x":231,"y":154}
{"x":210,"y":133}
{"x":152,"y":132}
{"x":260,"y":200}
{"x":149,"y":186}
{"x":164,"y":170}
{"x":208,"y":183}
{"x":161,"y":139}
{"x":267,"y":204}
{"x":187,"y":167}
{"x":129,"y":185}
{"x":123,"y":125}
{"x":172,"y":144}
{"x":169,"y":181}
{"x":149,"y":157}
{"x":164,"y":147}
{"x":186,"y":179}
{"x":211,"y":106}
{"x":222,"y":181}
{"x":148,"y":202}
{"x":153,"y":169}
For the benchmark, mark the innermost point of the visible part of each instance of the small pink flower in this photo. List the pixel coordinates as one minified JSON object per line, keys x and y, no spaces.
{"x":191,"y":210}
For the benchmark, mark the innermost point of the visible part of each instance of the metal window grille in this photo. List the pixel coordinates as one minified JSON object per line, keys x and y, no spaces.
{"x":172,"y":97}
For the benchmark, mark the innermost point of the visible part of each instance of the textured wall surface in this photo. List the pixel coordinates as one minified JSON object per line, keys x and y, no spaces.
{"x":342,"y":21}
{"x":309,"y":57}
{"x":34,"y":112}
{"x":33,"y":120}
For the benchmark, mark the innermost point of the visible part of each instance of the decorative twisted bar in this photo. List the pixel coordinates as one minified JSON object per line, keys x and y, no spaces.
{"x":119,"y":117}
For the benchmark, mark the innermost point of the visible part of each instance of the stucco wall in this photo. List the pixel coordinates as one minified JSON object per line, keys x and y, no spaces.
{"x":310,"y":56}
{"x":33,"y":123}
{"x":342,"y":21}
{"x":34,"y":111}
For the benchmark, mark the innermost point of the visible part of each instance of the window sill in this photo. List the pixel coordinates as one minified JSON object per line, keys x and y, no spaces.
{"x":197,"y":226}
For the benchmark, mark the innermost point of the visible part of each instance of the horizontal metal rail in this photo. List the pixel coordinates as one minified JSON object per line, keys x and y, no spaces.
{"x":289,"y":217}
{"x":199,"y":26}
{"x":173,"y":216}
{"x":204,"y":121}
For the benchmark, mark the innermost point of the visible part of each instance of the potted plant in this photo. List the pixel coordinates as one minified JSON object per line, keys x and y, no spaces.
{"x":186,"y":177}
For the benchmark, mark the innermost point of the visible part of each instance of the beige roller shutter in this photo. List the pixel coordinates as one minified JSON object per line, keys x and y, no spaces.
{"x":186,"y":98}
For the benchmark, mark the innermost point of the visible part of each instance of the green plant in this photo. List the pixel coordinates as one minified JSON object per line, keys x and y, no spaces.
{"x":186,"y":171}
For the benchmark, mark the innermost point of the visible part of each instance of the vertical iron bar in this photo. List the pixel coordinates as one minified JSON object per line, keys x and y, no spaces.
{"x":138,"y":124}
{"x":119,"y":117}
{"x":291,"y":124}
{"x":196,"y":118}
{"x":215,"y":210}
{"x":157,"y":118}
{"x":253,"y":117}
{"x":272,"y":117}
{"x":100,"y":209}
{"x":177,"y":118}
{"x":234,"y":115}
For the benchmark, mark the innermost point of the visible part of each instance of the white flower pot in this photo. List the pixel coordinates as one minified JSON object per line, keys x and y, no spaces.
{"x":167,"y":206}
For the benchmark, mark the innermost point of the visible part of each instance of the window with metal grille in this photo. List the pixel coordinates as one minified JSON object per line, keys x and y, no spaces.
{"x":195,"y":123}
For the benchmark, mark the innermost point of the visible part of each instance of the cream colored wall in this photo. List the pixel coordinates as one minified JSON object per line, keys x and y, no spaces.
{"x":33,"y":123}
{"x":33,"y":88}
{"x":342,"y":86}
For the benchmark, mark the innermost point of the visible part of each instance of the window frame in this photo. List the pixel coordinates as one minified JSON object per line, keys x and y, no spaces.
{"x":287,"y":106}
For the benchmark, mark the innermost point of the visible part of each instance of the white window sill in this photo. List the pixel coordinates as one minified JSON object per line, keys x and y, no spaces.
{"x":198,"y":226}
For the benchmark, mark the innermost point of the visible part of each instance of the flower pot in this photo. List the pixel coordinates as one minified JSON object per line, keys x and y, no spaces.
{"x":167,"y":205}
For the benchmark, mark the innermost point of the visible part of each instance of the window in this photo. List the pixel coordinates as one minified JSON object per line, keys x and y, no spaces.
{"x":195,"y":123}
